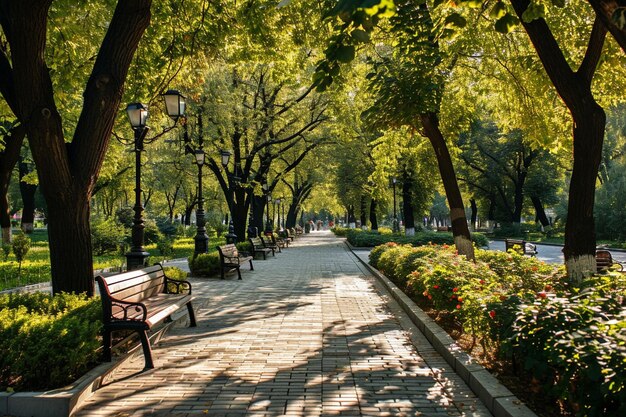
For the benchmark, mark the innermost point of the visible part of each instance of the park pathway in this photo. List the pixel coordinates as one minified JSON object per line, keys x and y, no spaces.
{"x":307,"y":333}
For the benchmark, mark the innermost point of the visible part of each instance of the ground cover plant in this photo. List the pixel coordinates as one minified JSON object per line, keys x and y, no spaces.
{"x":47,"y":342}
{"x":567,"y":342}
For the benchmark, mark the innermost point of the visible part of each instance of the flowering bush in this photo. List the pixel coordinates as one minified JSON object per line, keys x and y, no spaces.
{"x":573,"y":340}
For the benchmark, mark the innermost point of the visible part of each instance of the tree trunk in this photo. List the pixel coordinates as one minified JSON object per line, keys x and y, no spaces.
{"x":351,"y":219}
{"x":519,"y":198}
{"x":363,"y":212}
{"x":589,"y":123}
{"x":580,"y":233}
{"x":474,"y":215}
{"x":69,"y":223}
{"x":373,"y":218}
{"x":27,"y":191}
{"x":260,"y":202}
{"x":460,"y":231}
{"x":407,"y":207}
{"x":540,"y":212}
{"x":8,"y":159}
{"x":68,"y":170}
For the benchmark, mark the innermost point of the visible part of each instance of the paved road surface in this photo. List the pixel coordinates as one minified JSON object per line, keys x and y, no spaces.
{"x":308,"y":333}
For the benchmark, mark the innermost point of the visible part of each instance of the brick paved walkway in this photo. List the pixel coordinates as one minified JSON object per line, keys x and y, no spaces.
{"x":308,"y":333}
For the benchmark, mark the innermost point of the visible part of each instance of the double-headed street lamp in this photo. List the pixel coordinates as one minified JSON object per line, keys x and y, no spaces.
{"x":396,"y":227}
{"x":138,"y":117}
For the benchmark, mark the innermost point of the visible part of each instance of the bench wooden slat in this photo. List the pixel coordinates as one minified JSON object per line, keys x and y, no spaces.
{"x":137,"y":300}
{"x":230,"y":258}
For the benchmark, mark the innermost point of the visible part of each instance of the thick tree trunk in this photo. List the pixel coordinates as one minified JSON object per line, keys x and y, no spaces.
{"x":460,"y":231}
{"x":260,"y":202}
{"x":69,"y":223}
{"x":407,"y":207}
{"x":68,"y":171}
{"x":474,"y":214}
{"x":351,"y":219}
{"x":580,"y":232}
{"x":363,"y":212}
{"x":8,"y":159}
{"x":540,"y":212}
{"x":292,"y":215}
{"x":373,"y":217}
{"x":27,"y":191}
{"x":589,"y":123}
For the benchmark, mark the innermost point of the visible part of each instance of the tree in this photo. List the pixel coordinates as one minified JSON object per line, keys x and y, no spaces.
{"x":67,"y":171}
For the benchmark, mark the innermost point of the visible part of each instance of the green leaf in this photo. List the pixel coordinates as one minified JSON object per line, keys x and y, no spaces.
{"x":619,"y":17}
{"x":345,"y":53}
{"x":498,"y":10}
{"x":474,"y":4}
{"x":558,"y":3}
{"x":506,"y":23}
{"x":360,"y":35}
{"x":455,"y":20}
{"x":534,"y":11}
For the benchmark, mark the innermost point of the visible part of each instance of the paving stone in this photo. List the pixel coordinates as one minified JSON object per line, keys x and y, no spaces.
{"x":308,"y":333}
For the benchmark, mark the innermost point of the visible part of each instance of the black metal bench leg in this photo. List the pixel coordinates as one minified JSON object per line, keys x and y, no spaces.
{"x":106,"y":342}
{"x":239,"y":272}
{"x":251,"y":267}
{"x":192,"y":315}
{"x":147,"y":351}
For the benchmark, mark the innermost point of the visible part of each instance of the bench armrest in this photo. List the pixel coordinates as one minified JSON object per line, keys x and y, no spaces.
{"x":126,"y":306}
{"x":186,"y":286}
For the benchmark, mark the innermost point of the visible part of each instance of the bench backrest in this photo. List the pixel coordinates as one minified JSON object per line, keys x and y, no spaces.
{"x":256,"y":242}
{"x":228,"y":251}
{"x":603,"y":259}
{"x":133,"y":286}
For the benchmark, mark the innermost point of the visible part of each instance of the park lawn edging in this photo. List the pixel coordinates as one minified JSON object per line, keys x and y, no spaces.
{"x":496,"y":397}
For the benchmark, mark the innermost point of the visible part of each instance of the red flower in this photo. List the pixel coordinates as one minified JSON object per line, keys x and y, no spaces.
{"x":455,"y":289}
{"x":425,"y":293}
{"x":460,"y":299}
{"x":542,"y":294}
{"x":482,"y":282}
{"x":492,"y":314}
{"x":436,"y":287}
{"x":458,"y":306}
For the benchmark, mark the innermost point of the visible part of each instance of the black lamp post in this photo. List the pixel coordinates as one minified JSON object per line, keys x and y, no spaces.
{"x":277,"y":212}
{"x":138,"y":116}
{"x":201,"y":239}
{"x":268,"y":206}
{"x":395,"y":217}
{"x":231,"y":237}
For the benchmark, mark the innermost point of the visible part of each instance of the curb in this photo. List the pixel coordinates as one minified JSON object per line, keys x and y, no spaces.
{"x":496,"y":397}
{"x":66,"y":401}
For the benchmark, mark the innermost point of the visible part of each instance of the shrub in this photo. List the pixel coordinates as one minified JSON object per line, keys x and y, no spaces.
{"x":6,"y":249}
{"x":21,"y":246}
{"x":47,"y":342}
{"x":106,"y":237}
{"x":151,"y":232}
{"x":338,"y":231}
{"x":124,"y":216}
{"x":174,"y":273}
{"x":360,"y":238}
{"x":165,"y":246}
{"x":166,"y":227}
{"x":245,"y":247}
{"x":205,"y":265}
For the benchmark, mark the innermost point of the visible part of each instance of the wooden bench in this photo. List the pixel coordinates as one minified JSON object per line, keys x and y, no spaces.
{"x":270,"y":242}
{"x":259,"y":247}
{"x":605,"y":261}
{"x":137,"y":300}
{"x":520,"y":246}
{"x":230,"y":259}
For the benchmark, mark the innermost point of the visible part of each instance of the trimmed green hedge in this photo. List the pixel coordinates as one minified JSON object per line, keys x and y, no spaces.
{"x":361,"y":238}
{"x":205,"y":265}
{"x":570,"y":340}
{"x":47,"y":342}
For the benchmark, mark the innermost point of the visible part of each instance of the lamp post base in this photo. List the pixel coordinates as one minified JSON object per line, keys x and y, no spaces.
{"x":136,"y":260}
{"x":201,"y":244}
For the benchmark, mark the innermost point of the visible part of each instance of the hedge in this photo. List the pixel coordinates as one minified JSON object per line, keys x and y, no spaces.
{"x":361,"y":238}
{"x":47,"y":342}
{"x":572,"y":340}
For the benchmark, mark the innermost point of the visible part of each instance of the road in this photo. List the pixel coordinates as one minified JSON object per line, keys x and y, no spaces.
{"x":551,"y":253}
